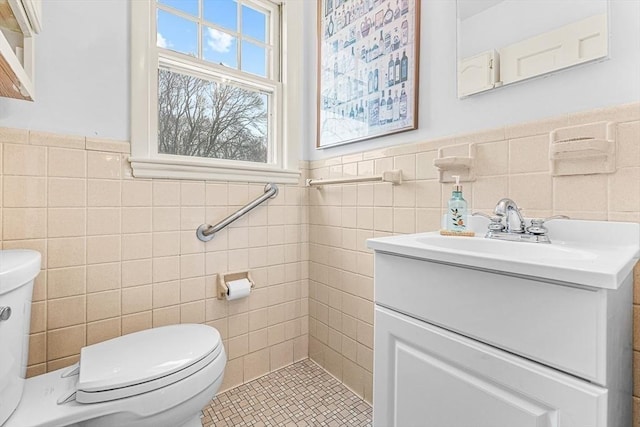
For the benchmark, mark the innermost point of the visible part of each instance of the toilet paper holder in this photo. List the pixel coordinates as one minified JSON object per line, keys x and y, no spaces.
{"x":225,"y":278}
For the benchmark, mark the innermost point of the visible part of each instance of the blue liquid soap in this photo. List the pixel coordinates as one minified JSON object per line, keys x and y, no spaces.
{"x":457,"y":209}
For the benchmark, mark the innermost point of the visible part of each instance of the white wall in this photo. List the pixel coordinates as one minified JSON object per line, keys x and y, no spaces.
{"x":82,"y":72}
{"x":82,"y":79}
{"x":610,"y":82}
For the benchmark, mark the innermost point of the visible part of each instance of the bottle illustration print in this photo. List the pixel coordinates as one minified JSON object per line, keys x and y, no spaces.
{"x":404,"y":67}
{"x":403,"y":104}
{"x":368,"y":63}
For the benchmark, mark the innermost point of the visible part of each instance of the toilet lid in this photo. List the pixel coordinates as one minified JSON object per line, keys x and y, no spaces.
{"x":144,"y":361}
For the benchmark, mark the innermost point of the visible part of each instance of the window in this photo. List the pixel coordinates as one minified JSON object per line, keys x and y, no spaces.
{"x":208,"y":91}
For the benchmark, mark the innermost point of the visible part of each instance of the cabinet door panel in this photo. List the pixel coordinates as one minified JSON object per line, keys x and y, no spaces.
{"x":425,"y":386}
{"x":478,"y":73}
{"x":429,"y":377}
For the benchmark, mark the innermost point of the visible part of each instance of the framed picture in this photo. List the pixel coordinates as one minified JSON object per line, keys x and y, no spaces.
{"x":368,"y":68}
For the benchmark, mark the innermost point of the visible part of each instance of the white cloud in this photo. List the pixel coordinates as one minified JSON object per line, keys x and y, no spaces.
{"x":162,"y":42}
{"x":219,"y":41}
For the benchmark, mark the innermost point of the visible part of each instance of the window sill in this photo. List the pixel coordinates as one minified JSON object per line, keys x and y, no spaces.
{"x":199,"y":170}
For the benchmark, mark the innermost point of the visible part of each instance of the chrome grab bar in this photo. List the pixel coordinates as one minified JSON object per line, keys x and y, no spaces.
{"x":206,"y":232}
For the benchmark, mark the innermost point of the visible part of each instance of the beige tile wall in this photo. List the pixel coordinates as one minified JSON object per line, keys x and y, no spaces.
{"x":511,"y":161}
{"x":120,"y":254}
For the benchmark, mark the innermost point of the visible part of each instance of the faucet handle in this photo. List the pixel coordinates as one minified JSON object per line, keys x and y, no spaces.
{"x":496,"y":221}
{"x":482,"y":214}
{"x":537,"y":224}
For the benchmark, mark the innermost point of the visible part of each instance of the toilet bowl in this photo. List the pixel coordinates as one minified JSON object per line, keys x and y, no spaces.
{"x":156,"y":377}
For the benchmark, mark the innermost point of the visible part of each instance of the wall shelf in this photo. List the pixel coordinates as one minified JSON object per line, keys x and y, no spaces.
{"x":583,"y":149}
{"x":462,"y":166}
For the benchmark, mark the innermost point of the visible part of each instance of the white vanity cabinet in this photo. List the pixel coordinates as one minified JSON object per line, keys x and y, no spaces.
{"x":428,"y":376}
{"x":466,"y":346}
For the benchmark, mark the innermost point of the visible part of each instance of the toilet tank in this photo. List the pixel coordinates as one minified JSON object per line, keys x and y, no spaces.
{"x":18,"y":269}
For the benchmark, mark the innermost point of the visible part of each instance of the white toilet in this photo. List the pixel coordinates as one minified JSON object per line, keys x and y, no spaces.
{"x":159,"y":377}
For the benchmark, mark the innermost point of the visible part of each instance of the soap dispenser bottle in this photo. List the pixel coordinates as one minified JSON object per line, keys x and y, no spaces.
{"x":457,"y":209}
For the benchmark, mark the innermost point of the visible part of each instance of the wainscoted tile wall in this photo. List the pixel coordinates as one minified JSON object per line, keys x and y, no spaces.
{"x":120,"y":254}
{"x":511,"y":161}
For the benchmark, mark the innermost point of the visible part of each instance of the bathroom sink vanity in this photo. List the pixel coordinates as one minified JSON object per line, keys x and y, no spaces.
{"x":471,"y":332}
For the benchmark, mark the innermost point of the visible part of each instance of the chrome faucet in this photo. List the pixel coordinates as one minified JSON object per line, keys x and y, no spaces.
{"x":506,"y":208}
{"x":515,"y":228}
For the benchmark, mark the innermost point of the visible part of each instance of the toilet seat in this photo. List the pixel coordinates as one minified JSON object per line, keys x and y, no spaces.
{"x":142,"y":362}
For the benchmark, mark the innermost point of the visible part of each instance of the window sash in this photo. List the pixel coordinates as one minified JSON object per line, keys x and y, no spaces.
{"x":196,"y":67}
{"x":271,"y":45}
{"x":179,"y":62}
{"x":147,"y":58}
{"x":173,"y":61}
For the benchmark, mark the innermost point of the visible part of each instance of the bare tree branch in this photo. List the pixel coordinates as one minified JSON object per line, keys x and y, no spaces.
{"x":208,"y":119}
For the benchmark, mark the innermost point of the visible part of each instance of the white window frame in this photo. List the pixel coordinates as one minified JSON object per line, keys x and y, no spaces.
{"x":146,"y":59}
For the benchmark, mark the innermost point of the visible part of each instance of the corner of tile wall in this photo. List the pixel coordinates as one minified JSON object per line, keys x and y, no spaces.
{"x":123,"y":253}
{"x":120,"y":253}
{"x":511,"y":161}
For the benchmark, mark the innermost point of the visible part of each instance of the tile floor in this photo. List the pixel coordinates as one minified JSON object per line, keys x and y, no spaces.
{"x":302,"y":394}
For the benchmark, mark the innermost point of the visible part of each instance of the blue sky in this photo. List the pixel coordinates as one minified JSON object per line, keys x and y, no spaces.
{"x":219,"y":46}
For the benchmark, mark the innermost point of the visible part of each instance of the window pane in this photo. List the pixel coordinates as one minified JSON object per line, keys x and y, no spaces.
{"x":188,"y":6}
{"x":222,"y":12}
{"x":208,"y":119}
{"x":220,"y":47}
{"x":254,"y":24}
{"x":177,"y":33}
{"x":254,"y":59}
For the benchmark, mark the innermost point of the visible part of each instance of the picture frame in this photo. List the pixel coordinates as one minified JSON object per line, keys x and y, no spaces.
{"x":368,"y":69}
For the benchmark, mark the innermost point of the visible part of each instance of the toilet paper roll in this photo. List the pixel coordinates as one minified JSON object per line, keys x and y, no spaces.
{"x":238,"y":289}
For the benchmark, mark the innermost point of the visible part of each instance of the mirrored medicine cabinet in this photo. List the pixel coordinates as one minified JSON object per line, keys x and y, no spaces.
{"x":501,"y":42}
